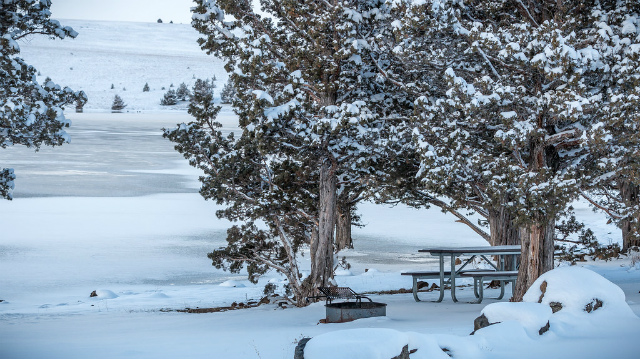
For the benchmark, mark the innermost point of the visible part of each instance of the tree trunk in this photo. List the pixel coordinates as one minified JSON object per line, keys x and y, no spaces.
{"x":630,"y":194}
{"x":536,"y":256}
{"x":503,"y":230}
{"x":343,"y":227}
{"x":322,"y":257}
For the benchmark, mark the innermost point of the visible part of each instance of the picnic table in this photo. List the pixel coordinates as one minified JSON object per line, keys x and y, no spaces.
{"x":498,"y":272}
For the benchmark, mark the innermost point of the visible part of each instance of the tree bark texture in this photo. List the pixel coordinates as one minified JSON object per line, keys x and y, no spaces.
{"x":630,"y":194}
{"x":343,"y":227}
{"x":536,"y":256}
{"x":503,"y":230}
{"x":322,"y":257}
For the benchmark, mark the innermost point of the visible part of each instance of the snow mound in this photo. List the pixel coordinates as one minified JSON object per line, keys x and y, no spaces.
{"x":371,"y":272}
{"x":232,"y":284}
{"x":576,"y":288}
{"x":532,"y":316}
{"x":105,"y":294}
{"x":343,"y":272}
{"x":371,"y":343}
{"x":159,"y":295}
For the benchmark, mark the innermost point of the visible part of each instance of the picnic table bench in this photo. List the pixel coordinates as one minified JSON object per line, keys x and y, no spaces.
{"x":479,"y":277}
{"x":430,"y":275}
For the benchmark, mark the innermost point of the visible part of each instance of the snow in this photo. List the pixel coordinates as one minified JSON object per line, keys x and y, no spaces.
{"x":127,"y":55}
{"x":378,"y":343}
{"x":532,"y":316}
{"x":514,"y":325}
{"x":117,"y":212}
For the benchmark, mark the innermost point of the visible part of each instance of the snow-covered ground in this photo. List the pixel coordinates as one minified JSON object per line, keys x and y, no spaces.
{"x":126,"y":55}
{"x":117,"y":212}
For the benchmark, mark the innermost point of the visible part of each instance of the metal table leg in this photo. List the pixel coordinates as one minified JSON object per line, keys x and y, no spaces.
{"x":441,"y":279}
{"x":453,"y":277}
{"x":415,"y":289}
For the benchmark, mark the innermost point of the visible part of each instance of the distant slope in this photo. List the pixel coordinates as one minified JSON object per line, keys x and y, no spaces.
{"x":127,"y":55}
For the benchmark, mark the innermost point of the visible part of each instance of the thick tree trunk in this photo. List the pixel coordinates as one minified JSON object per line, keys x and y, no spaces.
{"x":536,"y":256}
{"x":503,"y":230}
{"x":322,"y":250}
{"x":343,"y":227}
{"x":630,"y":194}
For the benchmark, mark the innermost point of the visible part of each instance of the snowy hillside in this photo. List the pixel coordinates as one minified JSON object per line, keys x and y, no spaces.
{"x":127,"y":55}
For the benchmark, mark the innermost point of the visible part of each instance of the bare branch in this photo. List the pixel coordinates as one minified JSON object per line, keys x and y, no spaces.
{"x":599,"y":206}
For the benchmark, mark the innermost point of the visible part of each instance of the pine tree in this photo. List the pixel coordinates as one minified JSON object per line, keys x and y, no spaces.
{"x":183,"y":93}
{"x":31,"y":113}
{"x":118,"y":104}
{"x":228,"y":93}
{"x":310,"y":106}
{"x":170,"y":98}
{"x":146,"y":87}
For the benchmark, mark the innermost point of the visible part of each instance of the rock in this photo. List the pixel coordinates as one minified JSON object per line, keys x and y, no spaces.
{"x":299,"y":352}
{"x":480,"y":322}
{"x":555,"y":306}
{"x":543,"y":289}
{"x":594,"y":305}
{"x":404,"y":354}
{"x":544,"y":329}
{"x":422,"y":284}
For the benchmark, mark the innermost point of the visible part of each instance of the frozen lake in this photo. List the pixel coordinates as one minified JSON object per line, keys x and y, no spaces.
{"x":110,"y":155}
{"x":118,"y":205}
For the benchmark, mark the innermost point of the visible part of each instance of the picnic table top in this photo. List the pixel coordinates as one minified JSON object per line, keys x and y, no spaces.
{"x":507,"y":249}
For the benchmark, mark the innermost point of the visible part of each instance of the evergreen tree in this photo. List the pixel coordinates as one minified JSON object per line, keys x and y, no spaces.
{"x":509,"y":95}
{"x":310,"y":106}
{"x":201,"y":89}
{"x":170,"y":98}
{"x":615,"y":138}
{"x":118,"y":104}
{"x":80,"y":102}
{"x":31,"y":113}
{"x":146,"y":87}
{"x":183,"y":93}
{"x":228,"y":93}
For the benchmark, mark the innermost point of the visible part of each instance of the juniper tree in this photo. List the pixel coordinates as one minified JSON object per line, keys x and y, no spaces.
{"x":183,"y":93}
{"x":310,"y":104}
{"x":200,"y":89}
{"x":228,"y":93}
{"x":81,"y":100}
{"x":118,"y":104}
{"x":616,"y":136}
{"x":509,"y":94}
{"x":31,"y":113}
{"x":170,"y":98}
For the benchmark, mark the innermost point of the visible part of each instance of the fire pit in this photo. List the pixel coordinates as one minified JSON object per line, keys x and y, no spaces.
{"x":348,"y":311}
